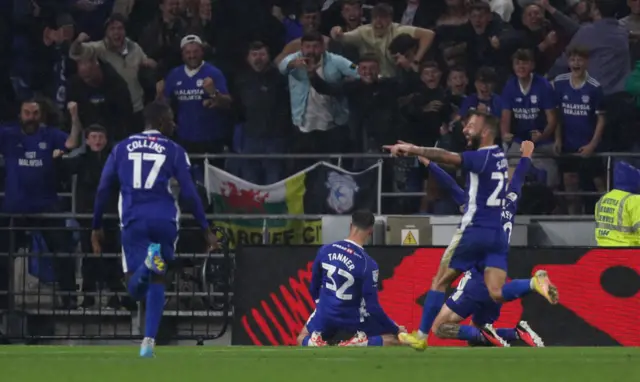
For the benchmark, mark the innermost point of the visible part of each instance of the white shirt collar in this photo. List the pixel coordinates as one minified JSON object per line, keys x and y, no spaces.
{"x":354,"y":243}
{"x":192,"y":72}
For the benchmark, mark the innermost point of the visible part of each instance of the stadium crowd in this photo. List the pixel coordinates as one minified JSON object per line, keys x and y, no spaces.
{"x":318,"y":76}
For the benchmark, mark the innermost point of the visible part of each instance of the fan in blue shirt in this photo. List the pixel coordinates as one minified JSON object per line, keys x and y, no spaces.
{"x":529,"y":114}
{"x":484,"y":99}
{"x":198,"y":89}
{"x":144,"y":165}
{"x":581,"y":110}
{"x":344,"y":284}
{"x":29,"y":150}
{"x":528,"y":101}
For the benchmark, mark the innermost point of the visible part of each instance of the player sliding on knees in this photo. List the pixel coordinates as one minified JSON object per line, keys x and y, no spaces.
{"x":344,"y":285}
{"x":471,"y":297}
{"x":480,"y":240}
{"x":143,"y":165}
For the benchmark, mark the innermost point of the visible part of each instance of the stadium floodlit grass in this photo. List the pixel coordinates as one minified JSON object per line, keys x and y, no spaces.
{"x":213,"y":363}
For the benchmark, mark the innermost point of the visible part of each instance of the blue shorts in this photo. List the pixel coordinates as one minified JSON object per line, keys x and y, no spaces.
{"x":472,"y":298}
{"x":475,"y":246}
{"x":138,"y":235}
{"x":329,"y":327}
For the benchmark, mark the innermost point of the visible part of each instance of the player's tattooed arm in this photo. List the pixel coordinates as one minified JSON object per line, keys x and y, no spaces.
{"x":439,"y":155}
{"x":448,"y":331}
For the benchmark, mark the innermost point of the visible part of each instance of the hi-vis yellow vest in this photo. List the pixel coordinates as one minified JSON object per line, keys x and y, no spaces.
{"x":618,"y":219}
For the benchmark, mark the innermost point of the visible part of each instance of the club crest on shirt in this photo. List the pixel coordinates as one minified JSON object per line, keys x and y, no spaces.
{"x":42,"y":145}
{"x":534,"y":99}
{"x":585,"y":99}
{"x":342,"y":189}
{"x":199,"y":83}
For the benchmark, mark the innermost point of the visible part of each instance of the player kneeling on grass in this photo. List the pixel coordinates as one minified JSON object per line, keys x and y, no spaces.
{"x":471,"y":298}
{"x":480,"y":299}
{"x":344,"y":285}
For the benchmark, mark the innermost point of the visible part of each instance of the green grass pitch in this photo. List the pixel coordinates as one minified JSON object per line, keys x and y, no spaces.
{"x":232,"y":364}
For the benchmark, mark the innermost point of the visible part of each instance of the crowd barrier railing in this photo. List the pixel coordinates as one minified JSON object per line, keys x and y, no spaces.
{"x":608,"y":159}
{"x":72,"y":294}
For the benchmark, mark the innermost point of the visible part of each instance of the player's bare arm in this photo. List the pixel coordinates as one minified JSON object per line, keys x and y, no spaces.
{"x":431,"y":153}
{"x":441,"y":156}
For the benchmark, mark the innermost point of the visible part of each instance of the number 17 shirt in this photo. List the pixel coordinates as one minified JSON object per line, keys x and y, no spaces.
{"x":144,"y":164}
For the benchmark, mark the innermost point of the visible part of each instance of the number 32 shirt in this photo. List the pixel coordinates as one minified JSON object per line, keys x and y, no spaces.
{"x":344,"y":284}
{"x":144,"y":164}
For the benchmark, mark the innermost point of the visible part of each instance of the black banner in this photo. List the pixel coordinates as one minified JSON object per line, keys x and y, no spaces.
{"x":599,"y":302}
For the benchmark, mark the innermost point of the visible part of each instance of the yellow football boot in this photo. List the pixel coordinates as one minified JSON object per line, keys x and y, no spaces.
{"x":542,"y":284}
{"x":412,"y":339}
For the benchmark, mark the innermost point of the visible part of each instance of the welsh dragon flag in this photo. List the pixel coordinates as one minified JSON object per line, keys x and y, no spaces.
{"x":320,"y":189}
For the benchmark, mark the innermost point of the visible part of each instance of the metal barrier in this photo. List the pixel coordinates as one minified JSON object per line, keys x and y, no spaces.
{"x":76,"y":295}
{"x":339,"y":158}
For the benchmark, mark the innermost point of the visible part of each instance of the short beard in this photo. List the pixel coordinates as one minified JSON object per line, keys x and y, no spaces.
{"x":30,"y":126}
{"x":475,"y":143}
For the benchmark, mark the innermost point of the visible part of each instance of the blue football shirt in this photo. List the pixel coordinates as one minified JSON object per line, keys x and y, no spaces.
{"x":144,"y":165}
{"x":31,"y":180}
{"x":485,"y":186}
{"x":528,"y":107}
{"x":579,"y":109}
{"x":196,"y":123}
{"x":471,"y":102}
{"x":345,"y":285}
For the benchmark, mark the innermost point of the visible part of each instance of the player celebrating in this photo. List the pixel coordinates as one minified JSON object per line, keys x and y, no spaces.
{"x":149,"y":215}
{"x":471,"y":296}
{"x":344,"y":285}
{"x":480,"y":240}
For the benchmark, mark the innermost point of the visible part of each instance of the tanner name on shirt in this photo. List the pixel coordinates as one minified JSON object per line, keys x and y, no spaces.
{"x":342,"y":258}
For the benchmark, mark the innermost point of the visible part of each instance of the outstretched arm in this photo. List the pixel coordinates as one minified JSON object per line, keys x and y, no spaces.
{"x":432,"y":153}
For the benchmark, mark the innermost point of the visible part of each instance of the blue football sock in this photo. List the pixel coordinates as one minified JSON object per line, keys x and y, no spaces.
{"x":374,"y":341}
{"x":305,"y":341}
{"x":139,"y":282}
{"x":155,"y":306}
{"x":470,"y":333}
{"x":507,"y":334}
{"x":432,"y":305}
{"x":516,"y":289}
